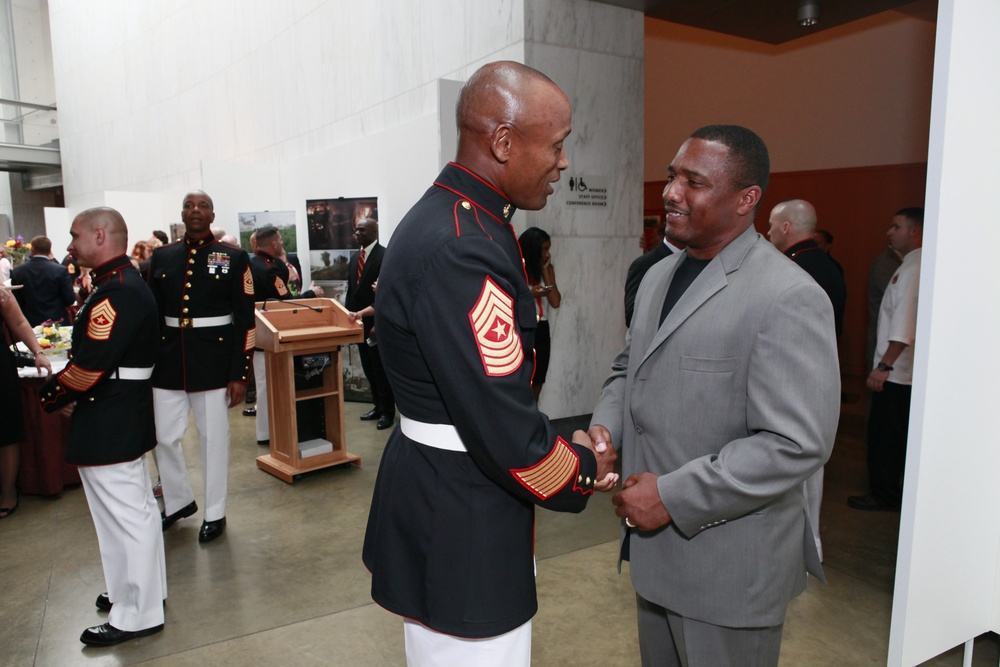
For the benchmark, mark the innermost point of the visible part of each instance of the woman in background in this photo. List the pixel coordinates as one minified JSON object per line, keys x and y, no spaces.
{"x":535,"y":248}
{"x":140,"y":251}
{"x":12,"y":433}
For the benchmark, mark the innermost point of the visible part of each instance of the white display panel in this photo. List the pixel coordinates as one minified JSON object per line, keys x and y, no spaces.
{"x":949,"y":542}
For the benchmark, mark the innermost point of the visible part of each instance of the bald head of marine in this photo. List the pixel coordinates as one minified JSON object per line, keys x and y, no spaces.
{"x":512,"y":122}
{"x":98,"y":235}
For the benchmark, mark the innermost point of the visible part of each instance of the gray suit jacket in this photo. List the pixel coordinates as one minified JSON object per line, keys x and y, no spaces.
{"x":733,"y":402}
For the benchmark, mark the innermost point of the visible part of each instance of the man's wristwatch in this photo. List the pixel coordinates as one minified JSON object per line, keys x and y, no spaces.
{"x":882,"y":366}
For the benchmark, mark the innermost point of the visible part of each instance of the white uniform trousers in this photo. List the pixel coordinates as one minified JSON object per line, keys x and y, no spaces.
{"x":260,"y":377}
{"x":211,"y":418}
{"x":127,"y":520}
{"x":427,"y":648}
{"x":812,"y":488}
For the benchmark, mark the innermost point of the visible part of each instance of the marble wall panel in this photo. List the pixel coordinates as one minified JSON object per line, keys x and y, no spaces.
{"x":588,"y":26}
{"x":591,"y":248}
{"x":514,"y":51}
{"x":441,"y":27}
{"x":492,"y":26}
{"x":589,"y":327}
{"x":606,"y":94}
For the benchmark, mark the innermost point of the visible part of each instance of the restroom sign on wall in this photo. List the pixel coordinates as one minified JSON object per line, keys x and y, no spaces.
{"x":586,"y":191}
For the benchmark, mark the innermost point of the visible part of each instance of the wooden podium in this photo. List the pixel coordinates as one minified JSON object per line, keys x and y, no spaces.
{"x":289,"y":329}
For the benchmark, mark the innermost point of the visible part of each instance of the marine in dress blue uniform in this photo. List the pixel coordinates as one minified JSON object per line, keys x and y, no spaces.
{"x":204,"y":292}
{"x":450,"y":534}
{"x":270,"y":283}
{"x":114,"y":348}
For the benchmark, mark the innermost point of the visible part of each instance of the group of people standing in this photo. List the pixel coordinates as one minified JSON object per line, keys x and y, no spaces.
{"x":723,"y":401}
{"x":145,"y":356}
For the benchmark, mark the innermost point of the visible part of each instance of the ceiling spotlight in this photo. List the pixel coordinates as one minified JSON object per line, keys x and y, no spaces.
{"x":808,"y":13}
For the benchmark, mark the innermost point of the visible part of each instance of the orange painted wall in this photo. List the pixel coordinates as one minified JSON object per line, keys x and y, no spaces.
{"x":857,"y":95}
{"x":856,"y":205}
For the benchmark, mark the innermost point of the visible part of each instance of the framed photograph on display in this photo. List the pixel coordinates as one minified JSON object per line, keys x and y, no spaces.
{"x":283,"y":220}
{"x":331,"y":223}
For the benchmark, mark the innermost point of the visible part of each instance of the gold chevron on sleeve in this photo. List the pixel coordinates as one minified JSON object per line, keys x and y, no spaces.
{"x":102,"y":321}
{"x":79,"y":379}
{"x":251,"y":340}
{"x":551,"y":474}
{"x":248,"y":282}
{"x":492,"y":319}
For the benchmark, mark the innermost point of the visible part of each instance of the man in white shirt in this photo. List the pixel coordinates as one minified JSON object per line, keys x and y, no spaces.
{"x":892,"y":376}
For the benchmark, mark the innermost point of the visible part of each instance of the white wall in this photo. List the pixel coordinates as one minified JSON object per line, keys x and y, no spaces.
{"x":57,"y":222}
{"x":949,"y":544}
{"x":266,"y":104}
{"x":237,"y":187}
{"x":140,"y":211}
{"x":148,"y":90}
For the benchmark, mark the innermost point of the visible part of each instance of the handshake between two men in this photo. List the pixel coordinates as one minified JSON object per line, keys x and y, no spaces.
{"x":639,"y":501}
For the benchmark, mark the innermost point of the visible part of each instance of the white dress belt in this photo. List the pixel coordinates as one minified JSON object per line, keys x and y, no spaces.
{"x":125,"y":373}
{"x":439,"y":436}
{"x":197,"y":322}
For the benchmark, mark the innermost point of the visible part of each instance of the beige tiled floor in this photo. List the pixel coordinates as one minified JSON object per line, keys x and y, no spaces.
{"x":286,"y":586}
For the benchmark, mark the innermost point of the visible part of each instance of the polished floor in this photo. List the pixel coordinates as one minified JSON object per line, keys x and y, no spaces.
{"x":286,"y":586}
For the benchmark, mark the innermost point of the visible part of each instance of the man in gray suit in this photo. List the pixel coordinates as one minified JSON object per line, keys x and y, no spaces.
{"x":725,"y":398}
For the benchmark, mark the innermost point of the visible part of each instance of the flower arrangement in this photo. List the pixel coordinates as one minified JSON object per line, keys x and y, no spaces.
{"x":54,"y":337}
{"x":17,"y":250}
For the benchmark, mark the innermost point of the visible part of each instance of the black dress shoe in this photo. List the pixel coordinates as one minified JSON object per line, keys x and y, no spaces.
{"x":103,"y":602}
{"x":871,"y":503}
{"x":385,"y":421}
{"x":250,"y":412}
{"x":108,"y":635}
{"x":211,"y":530}
{"x":182,"y":513}
{"x":264,"y":443}
{"x":371,"y":415}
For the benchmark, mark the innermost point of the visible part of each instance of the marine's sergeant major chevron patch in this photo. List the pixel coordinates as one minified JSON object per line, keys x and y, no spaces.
{"x":492,"y":320}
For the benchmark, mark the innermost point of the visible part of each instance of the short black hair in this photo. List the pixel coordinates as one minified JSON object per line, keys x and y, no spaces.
{"x":914,"y":214}
{"x":265,"y":233}
{"x":162,"y":235}
{"x":748,"y":162}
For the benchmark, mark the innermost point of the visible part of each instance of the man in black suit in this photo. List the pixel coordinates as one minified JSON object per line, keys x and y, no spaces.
{"x":48,"y":287}
{"x":110,"y":380}
{"x":361,"y":276}
{"x":637,"y":270}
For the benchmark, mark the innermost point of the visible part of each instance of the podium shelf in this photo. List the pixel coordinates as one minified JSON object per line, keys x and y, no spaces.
{"x":318,"y":392}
